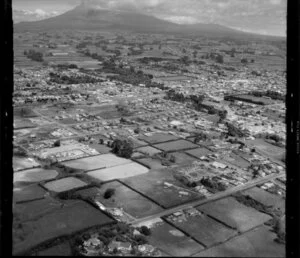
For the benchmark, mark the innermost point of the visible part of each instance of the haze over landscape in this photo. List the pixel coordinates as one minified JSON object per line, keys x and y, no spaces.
{"x":149,"y":128}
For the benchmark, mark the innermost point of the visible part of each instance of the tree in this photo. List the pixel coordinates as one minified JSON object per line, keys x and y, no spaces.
{"x":109,"y":193}
{"x":145,"y":230}
{"x":222,"y":115}
{"x":56,"y":143}
{"x":195,"y":53}
{"x":244,"y":60}
{"x":185,"y":59}
{"x":123,"y":148}
{"x":219,"y":59}
{"x":140,"y":239}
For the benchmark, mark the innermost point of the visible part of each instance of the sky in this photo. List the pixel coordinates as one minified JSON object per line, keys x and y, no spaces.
{"x":266,"y":17}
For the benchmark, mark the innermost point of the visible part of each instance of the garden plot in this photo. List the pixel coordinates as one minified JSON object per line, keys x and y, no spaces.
{"x":151,"y":163}
{"x":40,"y":121}
{"x":161,"y":187}
{"x":96,"y":162}
{"x":171,"y":240}
{"x":64,"y":184}
{"x":258,"y":242}
{"x":237,"y":160}
{"x":43,"y":133}
{"x":68,"y":150}
{"x":204,"y":229}
{"x":122,"y":171}
{"x":234,"y":214}
{"x":176,"y":145}
{"x":267,"y":149}
{"x":23,"y":123}
{"x":24,"y":112}
{"x":123,"y":198}
{"x":61,"y":222}
{"x":137,"y":143}
{"x":28,"y":193}
{"x":158,"y":137}
{"x":182,"y":158}
{"x":35,"y":175}
{"x":266,"y":198}
{"x":148,"y":150}
{"x":20,"y":163}
{"x":199,"y":152}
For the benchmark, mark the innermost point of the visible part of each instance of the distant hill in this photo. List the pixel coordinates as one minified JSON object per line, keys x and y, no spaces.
{"x":84,"y":17}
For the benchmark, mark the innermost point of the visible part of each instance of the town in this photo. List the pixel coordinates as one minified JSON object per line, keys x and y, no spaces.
{"x":148,"y":145}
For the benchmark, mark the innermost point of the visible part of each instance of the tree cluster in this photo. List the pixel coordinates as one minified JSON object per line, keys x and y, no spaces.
{"x":271,"y":94}
{"x":65,"y":79}
{"x":122,"y":148}
{"x":234,"y":131}
{"x":213,"y":183}
{"x":34,"y":55}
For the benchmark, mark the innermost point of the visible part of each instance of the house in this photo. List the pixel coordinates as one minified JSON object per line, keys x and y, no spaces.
{"x":120,"y":246}
{"x":216,"y":164}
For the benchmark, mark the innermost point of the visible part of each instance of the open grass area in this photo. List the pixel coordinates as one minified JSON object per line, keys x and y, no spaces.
{"x":255,"y":243}
{"x":35,"y":175}
{"x":64,"y":184}
{"x":266,"y":198}
{"x":97,"y":162}
{"x":176,"y":145}
{"x":130,"y":201}
{"x":204,"y":229}
{"x":158,"y":137}
{"x":28,"y":193}
{"x":172,"y":241}
{"x":234,"y":214}
{"x":122,"y":171}
{"x":153,"y":185}
{"x":60,"y":222}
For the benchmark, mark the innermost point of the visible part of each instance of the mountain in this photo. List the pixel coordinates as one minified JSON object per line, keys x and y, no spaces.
{"x":85,"y":17}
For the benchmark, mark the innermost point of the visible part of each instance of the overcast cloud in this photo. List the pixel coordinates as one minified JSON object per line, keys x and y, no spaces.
{"x":260,"y":16}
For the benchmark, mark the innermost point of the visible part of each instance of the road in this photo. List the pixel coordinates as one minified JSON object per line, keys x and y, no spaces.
{"x":211,"y":198}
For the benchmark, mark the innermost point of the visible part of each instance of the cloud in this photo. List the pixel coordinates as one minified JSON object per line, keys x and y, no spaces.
{"x":32,"y":15}
{"x":182,"y":19}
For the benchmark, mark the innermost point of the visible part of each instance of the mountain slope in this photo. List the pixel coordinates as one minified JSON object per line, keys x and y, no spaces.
{"x":84,"y":17}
